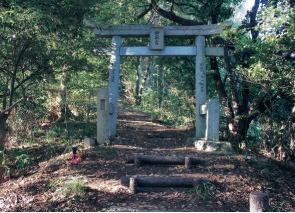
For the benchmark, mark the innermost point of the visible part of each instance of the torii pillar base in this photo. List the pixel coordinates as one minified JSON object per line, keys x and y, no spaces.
{"x":212,"y":146}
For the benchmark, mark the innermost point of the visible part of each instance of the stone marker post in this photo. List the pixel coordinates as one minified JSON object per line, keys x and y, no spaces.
{"x":212,"y":120}
{"x":114,"y":76}
{"x":200,"y":87}
{"x":102,"y":116}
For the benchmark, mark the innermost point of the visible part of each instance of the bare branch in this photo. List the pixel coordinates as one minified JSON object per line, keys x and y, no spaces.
{"x":172,"y":16}
{"x":143,"y":13}
{"x":8,"y":110}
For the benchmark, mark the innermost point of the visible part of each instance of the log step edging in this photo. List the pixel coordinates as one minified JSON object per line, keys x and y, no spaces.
{"x":139,"y":183}
{"x":140,"y":160}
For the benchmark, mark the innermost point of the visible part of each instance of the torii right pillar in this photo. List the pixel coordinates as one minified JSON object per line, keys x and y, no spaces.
{"x":207,"y":111}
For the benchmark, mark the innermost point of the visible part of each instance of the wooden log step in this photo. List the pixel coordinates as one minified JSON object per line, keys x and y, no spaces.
{"x":157,"y":183}
{"x":150,"y":181}
{"x":160,"y":189}
{"x":160,"y":181}
{"x":162,"y":160}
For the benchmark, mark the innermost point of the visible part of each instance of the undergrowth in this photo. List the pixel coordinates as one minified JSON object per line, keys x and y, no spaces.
{"x":74,"y":187}
{"x":204,"y":190}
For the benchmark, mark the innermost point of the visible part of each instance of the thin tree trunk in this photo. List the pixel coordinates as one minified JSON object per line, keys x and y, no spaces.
{"x":3,"y":136}
{"x":64,"y":107}
{"x":146,"y":78}
{"x":88,"y":107}
{"x":3,"y":130}
{"x":160,"y":87}
{"x":138,"y":81}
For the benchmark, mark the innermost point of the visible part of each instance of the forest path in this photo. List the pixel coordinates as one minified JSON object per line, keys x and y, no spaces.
{"x":233,"y":176}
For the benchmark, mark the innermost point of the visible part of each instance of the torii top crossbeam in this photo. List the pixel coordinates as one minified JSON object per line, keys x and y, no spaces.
{"x":144,"y":30}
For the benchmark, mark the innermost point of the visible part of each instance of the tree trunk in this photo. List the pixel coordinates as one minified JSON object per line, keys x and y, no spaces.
{"x":3,"y":130}
{"x":239,"y":130}
{"x":161,"y":87}
{"x":138,"y":82}
{"x":3,"y":139}
{"x":145,"y":63}
{"x":64,"y":107}
{"x":88,"y":107}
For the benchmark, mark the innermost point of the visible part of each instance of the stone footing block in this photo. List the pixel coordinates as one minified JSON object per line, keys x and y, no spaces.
{"x":212,"y":146}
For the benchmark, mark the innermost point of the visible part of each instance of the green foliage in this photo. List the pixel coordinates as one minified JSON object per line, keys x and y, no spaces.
{"x":279,"y":206}
{"x":175,"y":110}
{"x":267,"y":68}
{"x":73,"y":187}
{"x":118,"y":12}
{"x":38,"y":41}
{"x":53,"y":133}
{"x":204,"y":190}
{"x":3,"y":165}
{"x":22,"y":161}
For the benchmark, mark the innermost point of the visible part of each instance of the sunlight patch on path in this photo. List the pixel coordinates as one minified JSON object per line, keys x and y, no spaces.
{"x":128,"y":147}
{"x":110,"y":186}
{"x":150,"y":123}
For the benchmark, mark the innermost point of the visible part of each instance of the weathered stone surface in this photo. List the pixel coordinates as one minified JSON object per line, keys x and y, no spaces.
{"x":114,"y":77}
{"x":90,"y":142}
{"x":213,"y":146}
{"x":157,"y":38}
{"x":212,"y":120}
{"x":144,"y":30}
{"x":102,"y":116}
{"x":200,"y":85}
{"x":168,"y":51}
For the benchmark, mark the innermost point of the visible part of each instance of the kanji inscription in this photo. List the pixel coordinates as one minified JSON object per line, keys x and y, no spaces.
{"x":157,"y":38}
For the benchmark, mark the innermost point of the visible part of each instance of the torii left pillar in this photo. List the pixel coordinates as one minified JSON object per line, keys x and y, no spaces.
{"x":200,"y":87}
{"x":114,"y":77}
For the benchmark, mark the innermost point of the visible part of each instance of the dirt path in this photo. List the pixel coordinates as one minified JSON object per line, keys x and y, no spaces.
{"x":233,"y":177}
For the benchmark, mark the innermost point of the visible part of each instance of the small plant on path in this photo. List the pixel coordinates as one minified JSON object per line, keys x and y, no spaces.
{"x":74,"y":187}
{"x":204,"y":190}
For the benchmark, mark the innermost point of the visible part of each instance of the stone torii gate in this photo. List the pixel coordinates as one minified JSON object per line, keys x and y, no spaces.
{"x":207,"y":111}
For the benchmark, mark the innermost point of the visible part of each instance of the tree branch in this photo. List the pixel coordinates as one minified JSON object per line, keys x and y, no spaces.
{"x":8,"y":110}
{"x":6,"y":94}
{"x":250,"y":20}
{"x":16,"y":66}
{"x":143,"y":13}
{"x":172,"y":16}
